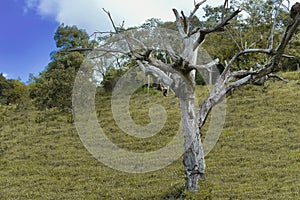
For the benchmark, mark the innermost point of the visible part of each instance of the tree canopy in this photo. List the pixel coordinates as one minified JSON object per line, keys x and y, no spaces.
{"x":53,"y":88}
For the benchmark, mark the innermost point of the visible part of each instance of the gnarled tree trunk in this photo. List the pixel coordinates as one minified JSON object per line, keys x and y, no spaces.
{"x":193,"y":157}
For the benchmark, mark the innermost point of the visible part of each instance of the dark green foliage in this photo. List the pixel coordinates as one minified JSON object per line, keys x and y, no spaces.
{"x":111,"y":78}
{"x":19,"y":95}
{"x":169,"y":25}
{"x":13,"y":92}
{"x":153,"y":22}
{"x":54,"y":86}
{"x":250,"y":31}
{"x":199,"y":78}
{"x":69,"y":37}
{"x":5,"y":87}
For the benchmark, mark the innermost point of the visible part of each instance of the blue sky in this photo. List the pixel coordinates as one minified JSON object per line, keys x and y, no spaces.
{"x":25,"y":40}
{"x":28,"y":26}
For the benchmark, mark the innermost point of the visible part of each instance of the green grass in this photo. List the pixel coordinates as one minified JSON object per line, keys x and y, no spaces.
{"x":257,"y":156}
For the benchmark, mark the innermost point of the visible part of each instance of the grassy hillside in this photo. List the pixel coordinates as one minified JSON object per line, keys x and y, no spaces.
{"x":257,"y":156}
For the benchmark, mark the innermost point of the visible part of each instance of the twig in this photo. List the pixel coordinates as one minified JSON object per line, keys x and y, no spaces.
{"x":278,"y":77}
{"x":111,"y":20}
{"x":256,"y":42}
{"x":102,"y":32}
{"x":98,"y":49}
{"x":237,"y":55}
{"x":233,"y":39}
{"x":197,"y":6}
{"x":185,"y":22}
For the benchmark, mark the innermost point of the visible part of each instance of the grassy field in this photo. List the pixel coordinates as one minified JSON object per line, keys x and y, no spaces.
{"x":257,"y":156}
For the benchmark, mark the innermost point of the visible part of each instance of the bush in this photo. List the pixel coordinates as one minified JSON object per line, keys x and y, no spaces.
{"x":111,"y":78}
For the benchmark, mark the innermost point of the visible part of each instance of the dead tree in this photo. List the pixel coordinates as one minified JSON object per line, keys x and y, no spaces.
{"x":182,"y":79}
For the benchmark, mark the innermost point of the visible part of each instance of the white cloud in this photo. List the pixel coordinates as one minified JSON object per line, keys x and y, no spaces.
{"x":30,"y":4}
{"x":49,"y":7}
{"x":88,"y":14}
{"x":5,"y":75}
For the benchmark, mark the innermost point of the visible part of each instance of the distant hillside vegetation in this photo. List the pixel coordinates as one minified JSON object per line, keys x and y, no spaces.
{"x":257,"y":155}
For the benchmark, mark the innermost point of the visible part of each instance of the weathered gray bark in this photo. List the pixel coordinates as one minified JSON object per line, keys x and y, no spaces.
{"x":193,"y":157}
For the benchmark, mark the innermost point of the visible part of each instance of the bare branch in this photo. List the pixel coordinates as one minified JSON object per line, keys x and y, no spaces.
{"x":278,"y":77}
{"x":290,"y":31}
{"x":223,"y":89}
{"x":234,"y":40}
{"x":288,"y":56}
{"x":241,"y":74}
{"x":185,"y":23}
{"x":225,"y":6}
{"x":171,"y":52}
{"x":246,"y":51}
{"x":206,"y":66}
{"x":126,"y":38}
{"x":257,"y":41}
{"x":178,"y":23}
{"x":233,"y":86}
{"x":197,"y":6}
{"x":288,"y":6}
{"x":214,"y":97}
{"x":157,"y":73}
{"x":139,"y":42}
{"x":159,"y":64}
{"x":142,"y":66}
{"x":218,"y":28}
{"x":111,"y":20}
{"x":117,"y":31}
{"x":196,"y":30}
{"x":99,"y":49}
{"x":258,"y":77}
{"x":101,"y":32}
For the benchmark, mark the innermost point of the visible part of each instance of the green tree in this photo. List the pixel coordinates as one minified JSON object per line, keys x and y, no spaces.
{"x":111,"y":78}
{"x":5,"y":87}
{"x":14,"y":92}
{"x":69,"y":37}
{"x":54,"y":86}
{"x":259,"y":26}
{"x":19,"y":95}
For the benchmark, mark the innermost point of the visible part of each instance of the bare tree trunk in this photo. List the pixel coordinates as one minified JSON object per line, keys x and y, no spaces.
{"x":193,"y":158}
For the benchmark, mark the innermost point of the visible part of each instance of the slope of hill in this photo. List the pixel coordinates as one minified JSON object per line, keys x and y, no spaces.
{"x":256,"y":157}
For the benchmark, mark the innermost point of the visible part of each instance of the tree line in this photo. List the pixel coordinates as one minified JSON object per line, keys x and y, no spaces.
{"x":53,"y":87}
